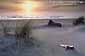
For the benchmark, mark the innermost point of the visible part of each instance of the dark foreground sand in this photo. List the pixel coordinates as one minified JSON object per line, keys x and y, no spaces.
{"x":46,"y":45}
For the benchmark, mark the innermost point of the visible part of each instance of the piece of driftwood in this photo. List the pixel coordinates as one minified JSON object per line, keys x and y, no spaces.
{"x":79,"y":21}
{"x":51,"y":23}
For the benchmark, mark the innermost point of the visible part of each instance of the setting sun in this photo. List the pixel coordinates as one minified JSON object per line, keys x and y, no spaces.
{"x":29,"y":6}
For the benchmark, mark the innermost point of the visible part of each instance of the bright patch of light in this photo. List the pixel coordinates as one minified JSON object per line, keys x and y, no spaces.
{"x":29,"y":6}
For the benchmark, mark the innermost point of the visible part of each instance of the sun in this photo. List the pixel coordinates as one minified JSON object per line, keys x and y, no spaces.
{"x":29,"y":6}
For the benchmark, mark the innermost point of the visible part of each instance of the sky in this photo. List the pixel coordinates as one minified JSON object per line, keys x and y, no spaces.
{"x":40,"y":7}
{"x":15,"y":5}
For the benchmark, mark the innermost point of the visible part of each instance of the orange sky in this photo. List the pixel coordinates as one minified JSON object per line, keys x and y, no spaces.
{"x":41,"y":6}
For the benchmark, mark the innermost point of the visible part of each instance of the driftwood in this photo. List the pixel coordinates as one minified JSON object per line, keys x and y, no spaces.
{"x":79,"y":21}
{"x":51,"y":23}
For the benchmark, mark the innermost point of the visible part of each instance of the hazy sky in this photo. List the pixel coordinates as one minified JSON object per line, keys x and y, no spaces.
{"x":43,"y":6}
{"x":12,"y":5}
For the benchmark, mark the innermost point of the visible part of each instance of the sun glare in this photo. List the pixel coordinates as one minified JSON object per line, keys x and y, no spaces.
{"x":29,"y":6}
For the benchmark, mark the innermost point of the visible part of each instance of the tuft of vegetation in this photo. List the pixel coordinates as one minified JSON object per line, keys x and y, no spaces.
{"x":23,"y":34}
